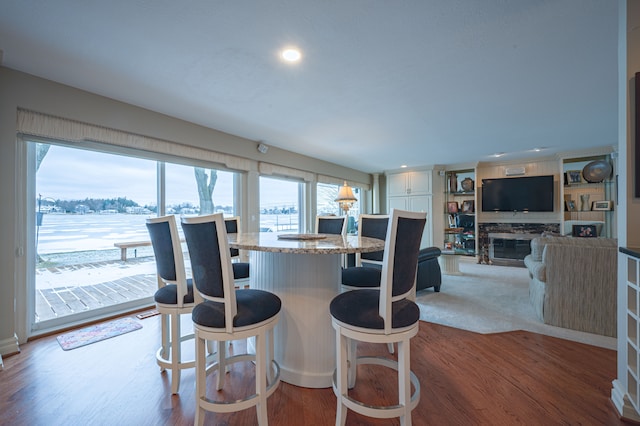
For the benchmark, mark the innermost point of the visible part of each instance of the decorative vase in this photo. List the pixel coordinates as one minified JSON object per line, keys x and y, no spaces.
{"x":584,"y":202}
{"x":453,"y":182}
{"x":467,"y":184}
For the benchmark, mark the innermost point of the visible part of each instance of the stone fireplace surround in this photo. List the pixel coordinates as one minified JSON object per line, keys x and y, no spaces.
{"x":484,"y":229}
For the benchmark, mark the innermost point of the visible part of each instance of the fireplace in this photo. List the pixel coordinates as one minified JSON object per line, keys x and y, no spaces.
{"x":515,"y":242}
{"x":509,"y":249}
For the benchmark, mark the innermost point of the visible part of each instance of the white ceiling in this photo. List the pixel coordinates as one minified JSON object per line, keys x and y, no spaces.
{"x":381,"y":83}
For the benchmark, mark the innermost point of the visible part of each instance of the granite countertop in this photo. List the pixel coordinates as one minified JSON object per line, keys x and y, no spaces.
{"x":323,"y":244}
{"x":631,"y":251}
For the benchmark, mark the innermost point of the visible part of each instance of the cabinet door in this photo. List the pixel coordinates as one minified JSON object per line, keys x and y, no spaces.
{"x":397,"y":184}
{"x":401,"y":203}
{"x":419,"y":183}
{"x":422,"y":203}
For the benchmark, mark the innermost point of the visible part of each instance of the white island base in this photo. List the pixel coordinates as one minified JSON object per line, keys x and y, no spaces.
{"x":304,"y":340}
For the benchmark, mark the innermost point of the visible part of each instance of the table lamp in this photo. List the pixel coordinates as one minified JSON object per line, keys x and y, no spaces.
{"x":346,"y":198}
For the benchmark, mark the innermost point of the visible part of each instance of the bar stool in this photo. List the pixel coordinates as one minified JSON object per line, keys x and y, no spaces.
{"x":228,"y":314}
{"x":174,"y":296}
{"x":385,"y":315}
{"x":367,"y":275}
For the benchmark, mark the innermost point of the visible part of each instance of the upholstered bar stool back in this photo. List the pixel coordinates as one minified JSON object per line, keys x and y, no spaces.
{"x":367,"y":274}
{"x":385,"y":315}
{"x":228,"y":314}
{"x":336,"y":225}
{"x":174,"y":296}
{"x":240,"y":269}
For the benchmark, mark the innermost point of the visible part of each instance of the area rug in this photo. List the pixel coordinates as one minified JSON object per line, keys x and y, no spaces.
{"x":98,"y":332}
{"x":492,"y":299}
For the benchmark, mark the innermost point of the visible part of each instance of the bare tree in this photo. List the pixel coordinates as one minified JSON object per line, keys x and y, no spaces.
{"x":41,"y":151}
{"x":206,"y":184}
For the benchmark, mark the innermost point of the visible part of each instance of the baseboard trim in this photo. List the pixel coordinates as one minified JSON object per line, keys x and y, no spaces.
{"x":622,"y":402}
{"x":9,"y":346}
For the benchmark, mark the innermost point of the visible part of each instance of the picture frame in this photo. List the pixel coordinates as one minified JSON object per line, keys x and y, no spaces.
{"x":604,"y":205}
{"x":570,"y":205}
{"x":574,"y":177}
{"x":584,"y":231}
{"x":452,"y":207}
{"x":468,"y":206}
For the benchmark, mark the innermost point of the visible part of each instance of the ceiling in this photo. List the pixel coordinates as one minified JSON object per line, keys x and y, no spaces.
{"x":380,"y":83}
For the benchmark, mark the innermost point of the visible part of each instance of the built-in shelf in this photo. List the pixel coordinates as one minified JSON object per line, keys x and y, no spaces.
{"x":459,"y":211}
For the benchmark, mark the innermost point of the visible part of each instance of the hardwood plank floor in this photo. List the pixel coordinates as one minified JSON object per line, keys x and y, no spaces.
{"x":466,"y":379}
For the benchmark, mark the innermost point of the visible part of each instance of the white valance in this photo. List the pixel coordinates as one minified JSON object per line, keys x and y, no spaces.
{"x":47,"y":126}
{"x":275,"y":170}
{"x":337,"y":181}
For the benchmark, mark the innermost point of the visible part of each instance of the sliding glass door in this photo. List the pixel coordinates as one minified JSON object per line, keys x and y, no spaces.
{"x":89,"y":246}
{"x":86,"y":202}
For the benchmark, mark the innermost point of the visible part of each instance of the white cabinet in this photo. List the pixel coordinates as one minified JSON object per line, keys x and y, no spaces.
{"x":416,"y":203}
{"x":409,"y":183}
{"x":412,"y":191}
{"x":632,"y":260}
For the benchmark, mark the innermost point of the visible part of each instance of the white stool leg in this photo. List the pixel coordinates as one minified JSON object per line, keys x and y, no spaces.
{"x":270,"y":351}
{"x":352,"y":363}
{"x":164,"y":337}
{"x":261,"y":379}
{"x":341,"y":376}
{"x":404,"y":381}
{"x":201,"y":379}
{"x":390,"y":347}
{"x":211,"y":347}
{"x":222,"y":363}
{"x":175,"y":353}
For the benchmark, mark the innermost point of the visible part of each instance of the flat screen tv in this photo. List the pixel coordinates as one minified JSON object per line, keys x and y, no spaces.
{"x":519,"y":194}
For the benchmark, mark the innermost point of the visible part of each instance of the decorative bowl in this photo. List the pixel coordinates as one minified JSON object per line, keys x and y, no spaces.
{"x":597,"y":171}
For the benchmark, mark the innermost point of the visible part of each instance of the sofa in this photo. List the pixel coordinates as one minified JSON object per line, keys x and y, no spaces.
{"x":573,"y":282}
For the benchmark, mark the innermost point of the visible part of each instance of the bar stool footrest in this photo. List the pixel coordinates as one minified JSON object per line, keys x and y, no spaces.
{"x":379,"y":411}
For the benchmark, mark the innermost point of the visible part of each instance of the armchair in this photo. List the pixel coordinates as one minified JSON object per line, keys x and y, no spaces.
{"x":429,"y":273}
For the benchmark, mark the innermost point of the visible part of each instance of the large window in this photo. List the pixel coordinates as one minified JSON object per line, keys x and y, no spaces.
{"x":280,"y":205}
{"x":91,"y":249}
{"x":326,"y":204}
{"x":198,"y":190}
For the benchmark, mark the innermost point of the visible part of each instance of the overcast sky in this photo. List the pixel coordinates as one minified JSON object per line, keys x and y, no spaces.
{"x":67,"y":173}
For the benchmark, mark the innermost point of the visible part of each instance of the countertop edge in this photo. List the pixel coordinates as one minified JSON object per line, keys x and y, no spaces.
{"x":631,"y":251}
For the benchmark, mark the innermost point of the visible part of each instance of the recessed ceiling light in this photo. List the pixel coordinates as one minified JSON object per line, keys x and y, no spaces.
{"x":404,"y":166}
{"x":498,"y":154}
{"x":291,"y":54}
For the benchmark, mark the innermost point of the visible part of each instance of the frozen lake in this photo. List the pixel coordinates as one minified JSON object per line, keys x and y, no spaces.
{"x":63,"y":233}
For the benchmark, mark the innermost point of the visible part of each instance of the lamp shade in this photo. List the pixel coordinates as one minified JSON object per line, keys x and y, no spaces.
{"x":345,"y":195}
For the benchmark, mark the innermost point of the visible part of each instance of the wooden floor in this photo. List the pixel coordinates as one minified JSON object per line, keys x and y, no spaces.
{"x":466,"y":379}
